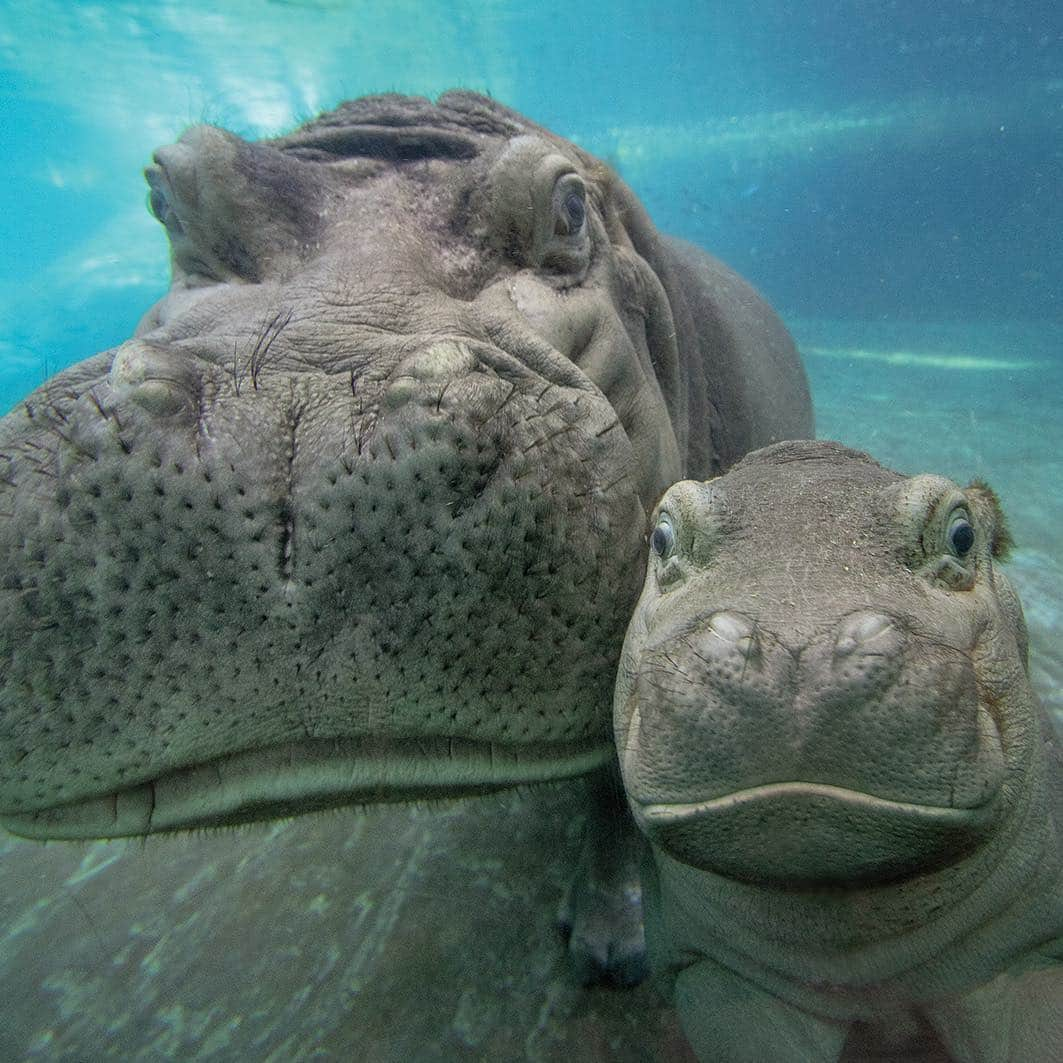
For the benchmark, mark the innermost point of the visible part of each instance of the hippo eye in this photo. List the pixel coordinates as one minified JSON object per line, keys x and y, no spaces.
{"x":573,"y":213}
{"x":540,"y":212}
{"x":662,"y":540}
{"x":961,"y":535}
{"x":570,"y":206}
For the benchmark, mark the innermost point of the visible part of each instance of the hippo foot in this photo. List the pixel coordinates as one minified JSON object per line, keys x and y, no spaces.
{"x":601,"y":913}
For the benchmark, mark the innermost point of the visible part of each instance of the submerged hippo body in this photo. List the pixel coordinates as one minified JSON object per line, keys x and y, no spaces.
{"x":356,"y":515}
{"x":827,"y":731}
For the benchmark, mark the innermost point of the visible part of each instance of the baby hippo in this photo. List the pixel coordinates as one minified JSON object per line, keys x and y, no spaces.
{"x":854,"y":799}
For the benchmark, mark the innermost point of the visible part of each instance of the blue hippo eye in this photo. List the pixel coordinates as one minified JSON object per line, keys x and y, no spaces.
{"x":662,"y":541}
{"x":572,"y":215}
{"x":575,"y":211}
{"x":961,"y":536}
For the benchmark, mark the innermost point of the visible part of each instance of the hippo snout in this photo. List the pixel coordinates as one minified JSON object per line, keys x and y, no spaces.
{"x":864,"y":642}
{"x":863,"y":704}
{"x":320,"y":542}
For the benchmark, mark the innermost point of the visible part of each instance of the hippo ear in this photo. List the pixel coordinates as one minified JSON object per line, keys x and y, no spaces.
{"x":987,"y":504}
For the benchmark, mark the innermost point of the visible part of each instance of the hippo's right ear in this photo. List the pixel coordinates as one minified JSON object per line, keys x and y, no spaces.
{"x":985,"y":500}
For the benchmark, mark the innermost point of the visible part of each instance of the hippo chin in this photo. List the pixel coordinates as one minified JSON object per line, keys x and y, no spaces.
{"x":855,"y":801}
{"x":357,"y":513}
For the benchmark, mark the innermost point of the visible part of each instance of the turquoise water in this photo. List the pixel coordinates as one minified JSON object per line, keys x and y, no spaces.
{"x":889,"y":176}
{"x":854,"y":160}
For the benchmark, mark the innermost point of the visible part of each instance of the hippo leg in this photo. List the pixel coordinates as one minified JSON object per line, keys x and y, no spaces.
{"x":1013,"y":1019}
{"x":601,"y":913}
{"x":726,"y":1017}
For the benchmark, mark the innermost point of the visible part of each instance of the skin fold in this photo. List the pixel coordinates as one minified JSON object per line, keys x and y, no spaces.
{"x":854,"y":798}
{"x":358,"y":513}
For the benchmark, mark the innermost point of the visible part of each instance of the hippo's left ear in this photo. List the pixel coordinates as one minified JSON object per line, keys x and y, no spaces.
{"x":984,"y":499}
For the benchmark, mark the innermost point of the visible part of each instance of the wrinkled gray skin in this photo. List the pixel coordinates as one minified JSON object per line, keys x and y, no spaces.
{"x":357,"y":514}
{"x":827,"y":731}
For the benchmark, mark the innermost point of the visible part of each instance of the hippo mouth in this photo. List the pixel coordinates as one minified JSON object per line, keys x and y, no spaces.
{"x":308,"y":776}
{"x":800,"y":834}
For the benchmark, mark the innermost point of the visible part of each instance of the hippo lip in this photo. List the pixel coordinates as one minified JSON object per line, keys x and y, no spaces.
{"x":306,"y":776}
{"x":794,"y":835}
{"x":665,"y":814}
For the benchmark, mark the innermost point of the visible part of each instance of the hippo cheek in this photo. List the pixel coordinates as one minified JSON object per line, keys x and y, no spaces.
{"x":429,"y":600}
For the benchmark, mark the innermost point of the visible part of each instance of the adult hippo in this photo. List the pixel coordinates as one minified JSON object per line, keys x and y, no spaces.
{"x":357,"y":513}
{"x":826,"y":729}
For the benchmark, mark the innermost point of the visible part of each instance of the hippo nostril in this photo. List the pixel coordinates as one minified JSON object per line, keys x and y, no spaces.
{"x":865,"y":632}
{"x":157,"y":379}
{"x":738,"y":633}
{"x":443,"y":361}
{"x":731,"y":627}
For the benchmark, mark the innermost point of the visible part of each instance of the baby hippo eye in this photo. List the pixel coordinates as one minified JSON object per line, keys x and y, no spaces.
{"x":662,"y":541}
{"x":961,"y":536}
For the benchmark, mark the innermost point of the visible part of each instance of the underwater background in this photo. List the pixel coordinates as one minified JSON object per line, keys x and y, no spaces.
{"x":889,"y":174}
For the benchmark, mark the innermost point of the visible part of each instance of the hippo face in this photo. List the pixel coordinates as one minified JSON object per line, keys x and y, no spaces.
{"x":357,"y":513}
{"x":824,"y":681}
